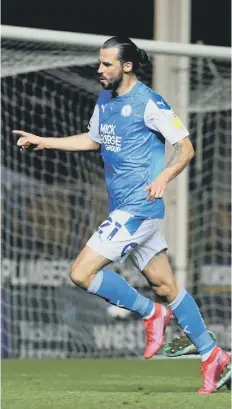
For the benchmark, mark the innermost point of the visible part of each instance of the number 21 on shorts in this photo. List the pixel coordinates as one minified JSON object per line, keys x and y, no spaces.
{"x":108,"y":229}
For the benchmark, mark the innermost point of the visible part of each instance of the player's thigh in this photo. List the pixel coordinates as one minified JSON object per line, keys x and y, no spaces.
{"x":86,"y":265}
{"x":158,"y":270}
{"x":152,"y":260}
{"x":153,"y":244}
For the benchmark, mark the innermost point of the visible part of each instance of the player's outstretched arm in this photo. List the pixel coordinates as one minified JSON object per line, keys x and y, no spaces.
{"x":81,"y":142}
{"x":182,"y":155}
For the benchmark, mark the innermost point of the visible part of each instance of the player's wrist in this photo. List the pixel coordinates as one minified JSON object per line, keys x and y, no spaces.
{"x":166,"y":175}
{"x":45,"y":143}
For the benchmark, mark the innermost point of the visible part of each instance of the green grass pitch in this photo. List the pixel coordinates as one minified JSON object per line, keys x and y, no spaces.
{"x":106,"y":384}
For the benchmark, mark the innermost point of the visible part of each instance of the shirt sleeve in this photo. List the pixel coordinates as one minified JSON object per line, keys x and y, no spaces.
{"x":160,"y":117}
{"x":93,"y":126}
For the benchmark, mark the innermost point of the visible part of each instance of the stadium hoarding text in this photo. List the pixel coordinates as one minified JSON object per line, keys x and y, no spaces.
{"x":56,"y":272}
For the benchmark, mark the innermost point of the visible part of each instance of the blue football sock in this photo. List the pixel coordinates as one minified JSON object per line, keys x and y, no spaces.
{"x":116,"y":290}
{"x":186,"y":311}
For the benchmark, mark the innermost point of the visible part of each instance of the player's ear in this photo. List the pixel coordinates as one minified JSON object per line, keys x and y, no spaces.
{"x":127,"y":67}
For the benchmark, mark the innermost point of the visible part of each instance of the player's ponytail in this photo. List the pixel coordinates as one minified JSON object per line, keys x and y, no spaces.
{"x":128,"y":51}
{"x":144,"y":62}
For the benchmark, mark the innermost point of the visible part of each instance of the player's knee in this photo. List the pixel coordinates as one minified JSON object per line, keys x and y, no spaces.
{"x":81,"y":276}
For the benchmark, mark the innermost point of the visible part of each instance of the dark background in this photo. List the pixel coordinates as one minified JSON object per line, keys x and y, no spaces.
{"x":211,"y":19}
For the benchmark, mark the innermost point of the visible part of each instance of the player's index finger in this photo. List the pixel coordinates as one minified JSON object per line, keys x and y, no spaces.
{"x":16,"y":131}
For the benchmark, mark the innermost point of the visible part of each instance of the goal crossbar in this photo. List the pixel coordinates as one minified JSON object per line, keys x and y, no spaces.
{"x":96,"y":40}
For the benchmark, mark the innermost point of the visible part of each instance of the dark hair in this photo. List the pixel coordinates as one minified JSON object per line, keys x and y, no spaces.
{"x":128,"y":51}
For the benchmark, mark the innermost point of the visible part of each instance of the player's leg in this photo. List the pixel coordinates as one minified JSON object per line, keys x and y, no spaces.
{"x":156,"y":324}
{"x":181,"y":345}
{"x":161,"y":278}
{"x":143,"y":257}
{"x":87,"y":272}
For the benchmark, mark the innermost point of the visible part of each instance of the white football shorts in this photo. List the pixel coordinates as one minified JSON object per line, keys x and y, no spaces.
{"x":123,"y":235}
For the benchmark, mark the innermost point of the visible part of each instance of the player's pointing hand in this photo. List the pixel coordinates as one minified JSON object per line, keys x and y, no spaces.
{"x":27,"y":140}
{"x":157,"y":188}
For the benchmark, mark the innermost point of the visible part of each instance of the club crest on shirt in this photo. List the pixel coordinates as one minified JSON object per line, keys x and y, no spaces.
{"x":126,"y":110}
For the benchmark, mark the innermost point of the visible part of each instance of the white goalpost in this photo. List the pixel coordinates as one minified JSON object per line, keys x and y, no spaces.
{"x":52,"y":201}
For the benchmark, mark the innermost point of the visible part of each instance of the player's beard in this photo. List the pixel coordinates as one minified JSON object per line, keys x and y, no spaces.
{"x":113,"y":84}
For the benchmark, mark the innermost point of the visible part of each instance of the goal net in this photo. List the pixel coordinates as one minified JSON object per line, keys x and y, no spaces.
{"x":52,"y":201}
